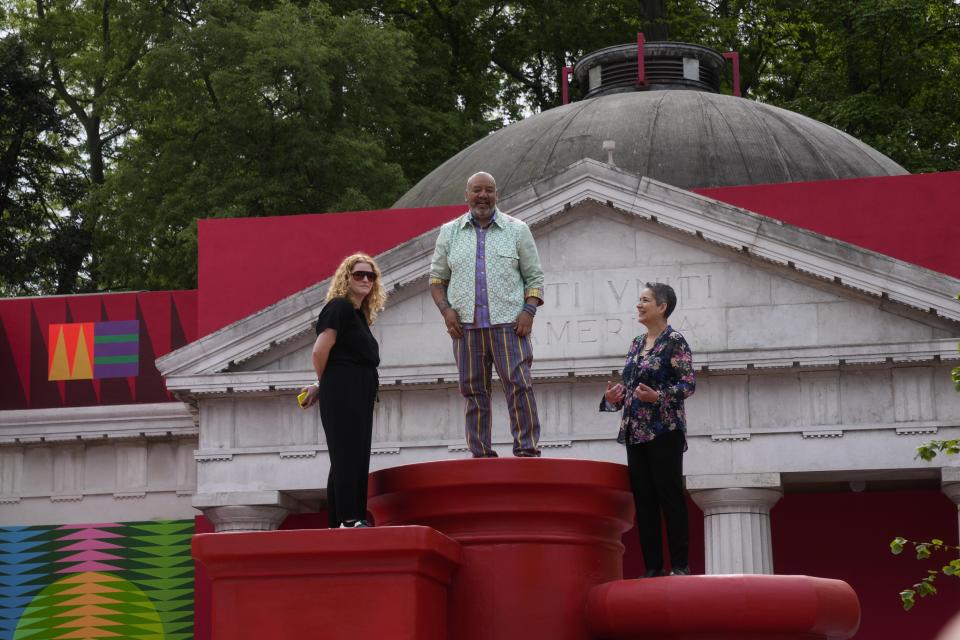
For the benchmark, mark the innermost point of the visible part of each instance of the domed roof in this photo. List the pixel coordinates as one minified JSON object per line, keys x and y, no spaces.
{"x":690,"y":139}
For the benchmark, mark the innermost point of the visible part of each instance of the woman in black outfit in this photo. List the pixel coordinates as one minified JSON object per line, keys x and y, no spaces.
{"x":345,"y":357}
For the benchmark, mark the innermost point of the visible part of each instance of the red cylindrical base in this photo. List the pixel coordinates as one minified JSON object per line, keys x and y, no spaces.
{"x":330,"y":583}
{"x":725,"y":607}
{"x":537,"y":534}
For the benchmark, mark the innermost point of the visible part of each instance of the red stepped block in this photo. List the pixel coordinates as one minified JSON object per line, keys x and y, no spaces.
{"x":329,"y":583}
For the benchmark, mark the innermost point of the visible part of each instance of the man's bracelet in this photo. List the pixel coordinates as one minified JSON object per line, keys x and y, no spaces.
{"x":530,"y":308}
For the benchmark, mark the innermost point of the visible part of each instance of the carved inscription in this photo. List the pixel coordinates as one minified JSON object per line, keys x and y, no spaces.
{"x":564,"y":295}
{"x":690,"y":288}
{"x":581,"y":330}
{"x":603,"y":310}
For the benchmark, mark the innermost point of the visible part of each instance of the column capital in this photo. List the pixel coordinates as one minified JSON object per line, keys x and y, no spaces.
{"x":731,"y":480}
{"x":950,"y":483}
{"x":246,"y":510}
{"x":245,"y":518}
{"x":736,"y":500}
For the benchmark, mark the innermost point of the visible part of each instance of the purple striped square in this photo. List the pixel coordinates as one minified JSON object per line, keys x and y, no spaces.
{"x":116,"y":349}
{"x":118,"y":327}
{"x":122,"y":370}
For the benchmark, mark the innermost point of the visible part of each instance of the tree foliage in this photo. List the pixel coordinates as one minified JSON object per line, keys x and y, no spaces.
{"x":148,"y":115}
{"x":31,"y":191}
{"x":88,"y":55}
{"x":253,"y":112}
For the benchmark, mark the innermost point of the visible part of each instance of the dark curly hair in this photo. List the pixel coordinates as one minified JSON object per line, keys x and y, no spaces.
{"x":663,"y":294}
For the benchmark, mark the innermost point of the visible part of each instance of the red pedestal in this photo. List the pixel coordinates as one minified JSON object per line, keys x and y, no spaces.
{"x":536,"y":534}
{"x":730,"y":607}
{"x":538,"y":544}
{"x":329,"y":583}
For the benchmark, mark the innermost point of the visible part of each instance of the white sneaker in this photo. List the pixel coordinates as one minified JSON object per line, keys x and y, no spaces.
{"x":355,"y":524}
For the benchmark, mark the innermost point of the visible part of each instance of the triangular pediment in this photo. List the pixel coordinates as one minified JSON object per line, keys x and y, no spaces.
{"x":753,"y":292}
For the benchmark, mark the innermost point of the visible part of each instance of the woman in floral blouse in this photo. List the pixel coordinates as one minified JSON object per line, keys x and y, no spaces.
{"x":657,"y":377}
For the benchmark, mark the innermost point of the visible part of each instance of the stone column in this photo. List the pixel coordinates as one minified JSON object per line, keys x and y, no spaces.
{"x":736,"y":520}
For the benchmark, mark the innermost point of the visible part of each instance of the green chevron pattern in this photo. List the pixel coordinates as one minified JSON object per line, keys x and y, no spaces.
{"x":111,"y":580}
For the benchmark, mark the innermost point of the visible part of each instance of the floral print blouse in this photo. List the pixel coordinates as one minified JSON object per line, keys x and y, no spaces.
{"x":667,"y":368}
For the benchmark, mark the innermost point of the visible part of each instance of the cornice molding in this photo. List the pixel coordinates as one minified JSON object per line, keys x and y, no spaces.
{"x":445,"y":374}
{"x":133,"y":421}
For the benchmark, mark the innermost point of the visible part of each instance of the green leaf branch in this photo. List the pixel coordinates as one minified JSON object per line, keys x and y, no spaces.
{"x":929,"y":450}
{"x":924,"y":551}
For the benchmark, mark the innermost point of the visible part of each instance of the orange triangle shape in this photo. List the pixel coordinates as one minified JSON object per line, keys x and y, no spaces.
{"x":88,"y":577}
{"x":88,"y":621}
{"x":88,"y":599}
{"x":59,"y":368}
{"x":83,"y":356}
{"x":85,"y":610}
{"x":90,"y":633}
{"x":92,"y":587}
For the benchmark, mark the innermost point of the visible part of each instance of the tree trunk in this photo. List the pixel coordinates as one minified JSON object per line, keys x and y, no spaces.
{"x":654,"y":24}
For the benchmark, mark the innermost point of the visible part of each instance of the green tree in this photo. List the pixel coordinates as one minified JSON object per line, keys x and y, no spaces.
{"x":252,"y":111}
{"x":31,"y":192}
{"x":884,"y":71}
{"x":89,"y":54}
{"x":173,"y":110}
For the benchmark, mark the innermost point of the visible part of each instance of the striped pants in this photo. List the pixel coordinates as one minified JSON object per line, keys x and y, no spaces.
{"x":512,"y":355}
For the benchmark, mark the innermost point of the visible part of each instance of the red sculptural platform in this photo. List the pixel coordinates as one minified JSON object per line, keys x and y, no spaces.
{"x":329,"y":583}
{"x":496,"y":549}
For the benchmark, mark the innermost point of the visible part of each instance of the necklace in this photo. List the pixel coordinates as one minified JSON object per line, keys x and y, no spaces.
{"x":651,"y":340}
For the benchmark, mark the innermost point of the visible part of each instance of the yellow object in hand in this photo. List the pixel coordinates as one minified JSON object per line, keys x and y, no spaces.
{"x":302,"y":397}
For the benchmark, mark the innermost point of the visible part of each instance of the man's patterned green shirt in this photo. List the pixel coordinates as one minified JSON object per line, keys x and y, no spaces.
{"x":513,"y":266}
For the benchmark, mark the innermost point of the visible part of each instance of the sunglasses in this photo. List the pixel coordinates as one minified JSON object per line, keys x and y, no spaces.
{"x":360,"y":275}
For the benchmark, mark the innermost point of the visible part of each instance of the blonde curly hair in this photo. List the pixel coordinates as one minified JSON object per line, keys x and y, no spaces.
{"x":340,"y":286}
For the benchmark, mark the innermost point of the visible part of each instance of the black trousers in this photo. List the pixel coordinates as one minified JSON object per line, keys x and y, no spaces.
{"x":656,"y":477}
{"x":347,"y":395}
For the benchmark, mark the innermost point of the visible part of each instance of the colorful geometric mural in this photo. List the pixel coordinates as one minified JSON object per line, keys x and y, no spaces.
{"x":113,"y":580}
{"x":87,"y":350}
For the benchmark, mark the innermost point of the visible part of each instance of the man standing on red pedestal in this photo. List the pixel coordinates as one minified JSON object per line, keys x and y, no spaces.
{"x":486,"y":279}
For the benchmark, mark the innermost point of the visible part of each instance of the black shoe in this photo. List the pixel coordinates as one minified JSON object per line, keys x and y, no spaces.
{"x":355,"y":524}
{"x":680,"y":571}
{"x":653,"y":573}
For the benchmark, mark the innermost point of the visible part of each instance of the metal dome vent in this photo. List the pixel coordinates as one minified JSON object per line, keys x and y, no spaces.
{"x":652,"y":66}
{"x":698,"y":138}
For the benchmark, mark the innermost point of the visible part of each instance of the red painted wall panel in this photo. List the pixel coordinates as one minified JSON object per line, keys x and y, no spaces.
{"x":246,"y":264}
{"x":847,"y":535}
{"x":914,"y":218}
